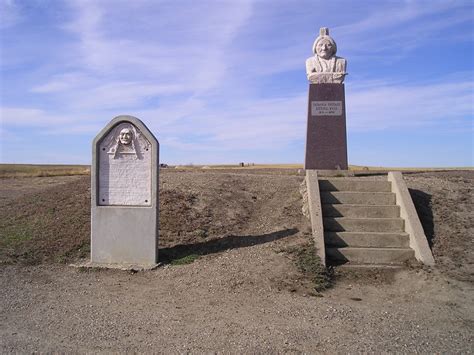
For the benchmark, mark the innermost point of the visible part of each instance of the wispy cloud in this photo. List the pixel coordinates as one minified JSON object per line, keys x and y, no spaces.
{"x":396,"y":29}
{"x":396,"y":14}
{"x":30,"y":117}
{"x":197,"y":60}
{"x":410,"y":106}
{"x":257,"y":124}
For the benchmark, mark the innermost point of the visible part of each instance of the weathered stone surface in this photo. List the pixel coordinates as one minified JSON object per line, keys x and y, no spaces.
{"x":125,"y":169}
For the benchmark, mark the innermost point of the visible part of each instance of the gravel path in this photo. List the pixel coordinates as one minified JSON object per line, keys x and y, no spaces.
{"x":230,"y":302}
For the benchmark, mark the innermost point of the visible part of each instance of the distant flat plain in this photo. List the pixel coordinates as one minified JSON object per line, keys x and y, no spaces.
{"x":34,"y":170}
{"x":41,"y":170}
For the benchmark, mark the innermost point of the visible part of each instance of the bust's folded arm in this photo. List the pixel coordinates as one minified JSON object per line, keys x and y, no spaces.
{"x":310,"y":67}
{"x":341,"y":65}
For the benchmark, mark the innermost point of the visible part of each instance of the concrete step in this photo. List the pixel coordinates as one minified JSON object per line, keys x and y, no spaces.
{"x":370,"y":255}
{"x":366,"y":239}
{"x":360,"y":211}
{"x":354,"y":185}
{"x":343,"y":224}
{"x":358,"y":198}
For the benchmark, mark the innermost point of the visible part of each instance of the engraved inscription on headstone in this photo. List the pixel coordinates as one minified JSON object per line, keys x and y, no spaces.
{"x":326,"y":108}
{"x":125,"y":167}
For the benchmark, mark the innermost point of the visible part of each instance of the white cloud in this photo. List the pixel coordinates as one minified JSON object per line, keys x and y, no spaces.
{"x":126,"y":69}
{"x":405,"y":106}
{"x":124,"y":94}
{"x":197,"y":60}
{"x":396,"y":15}
{"x":18,"y":116}
{"x":262,"y":123}
{"x":391,"y":31}
{"x":64,"y":82}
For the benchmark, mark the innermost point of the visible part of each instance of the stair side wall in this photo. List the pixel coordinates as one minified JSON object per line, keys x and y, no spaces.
{"x":316,"y":214}
{"x":418,"y":240}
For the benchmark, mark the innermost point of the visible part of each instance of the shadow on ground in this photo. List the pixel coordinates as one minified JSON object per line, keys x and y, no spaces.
{"x":167,"y":255}
{"x":422,"y":202}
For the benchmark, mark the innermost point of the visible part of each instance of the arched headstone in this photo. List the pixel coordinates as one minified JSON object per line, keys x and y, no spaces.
{"x":124,"y":191}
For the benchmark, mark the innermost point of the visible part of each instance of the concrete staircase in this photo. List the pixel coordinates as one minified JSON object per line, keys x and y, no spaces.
{"x":362,"y":224}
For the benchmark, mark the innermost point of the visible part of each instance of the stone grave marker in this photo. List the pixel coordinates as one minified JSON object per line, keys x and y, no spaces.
{"x":326,"y":142}
{"x":124,"y":194}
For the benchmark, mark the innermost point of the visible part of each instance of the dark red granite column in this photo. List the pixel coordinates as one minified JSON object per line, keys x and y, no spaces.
{"x":326,"y":142}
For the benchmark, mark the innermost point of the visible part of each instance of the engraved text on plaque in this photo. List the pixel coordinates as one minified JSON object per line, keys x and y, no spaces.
{"x":326,"y":108}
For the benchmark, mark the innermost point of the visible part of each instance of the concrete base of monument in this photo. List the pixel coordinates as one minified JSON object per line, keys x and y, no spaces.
{"x":124,"y":235}
{"x":124,"y":267}
{"x":335,"y":173}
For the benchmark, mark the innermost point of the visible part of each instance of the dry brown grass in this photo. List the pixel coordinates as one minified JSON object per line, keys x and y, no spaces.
{"x":300,"y":166}
{"x":237,"y":166}
{"x":385,"y":169}
{"x":31,"y":170}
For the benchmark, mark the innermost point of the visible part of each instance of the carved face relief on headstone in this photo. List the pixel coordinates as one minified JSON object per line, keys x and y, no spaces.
{"x":124,"y":167}
{"x":324,"y":66}
{"x":126,"y":136}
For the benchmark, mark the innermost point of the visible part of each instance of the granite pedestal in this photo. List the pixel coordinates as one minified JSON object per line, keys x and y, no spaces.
{"x":326,"y":142}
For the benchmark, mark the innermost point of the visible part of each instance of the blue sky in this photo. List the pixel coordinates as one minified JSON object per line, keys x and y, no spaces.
{"x":224,"y":81}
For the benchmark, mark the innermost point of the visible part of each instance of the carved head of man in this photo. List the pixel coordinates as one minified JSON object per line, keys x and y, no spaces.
{"x":125,"y":136}
{"x":325,"y":49}
{"x":324,"y":46}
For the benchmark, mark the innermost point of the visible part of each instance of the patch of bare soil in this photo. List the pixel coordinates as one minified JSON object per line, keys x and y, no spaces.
{"x":200,"y":213}
{"x":12,"y":188}
{"x":49,"y":222}
{"x":250,"y":287}
{"x":208,"y":212}
{"x":444,"y":202}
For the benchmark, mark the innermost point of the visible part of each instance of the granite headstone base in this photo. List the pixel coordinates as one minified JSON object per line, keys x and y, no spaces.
{"x":326,"y":142}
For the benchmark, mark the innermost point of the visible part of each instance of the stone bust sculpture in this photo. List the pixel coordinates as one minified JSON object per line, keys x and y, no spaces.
{"x":324,"y":66}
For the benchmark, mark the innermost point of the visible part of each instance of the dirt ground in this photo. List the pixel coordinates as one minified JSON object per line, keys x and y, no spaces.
{"x":244,"y":291}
